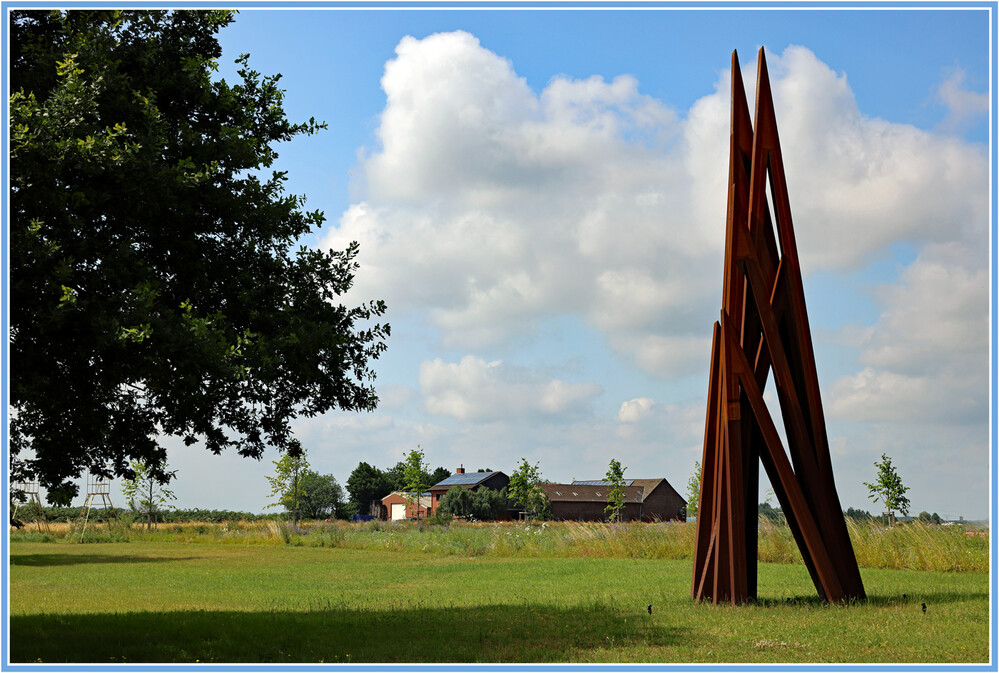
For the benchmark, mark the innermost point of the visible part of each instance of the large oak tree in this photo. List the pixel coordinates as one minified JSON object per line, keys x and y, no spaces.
{"x":157,"y":282}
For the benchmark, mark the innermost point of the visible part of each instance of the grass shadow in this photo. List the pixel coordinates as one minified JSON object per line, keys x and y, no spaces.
{"x":810,"y":600}
{"x":929,"y":597}
{"x":499,"y":633}
{"x":79,"y":559}
{"x":880,"y":599}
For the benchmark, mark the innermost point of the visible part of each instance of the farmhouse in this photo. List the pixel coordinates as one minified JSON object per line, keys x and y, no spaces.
{"x":473,"y":481}
{"x":401,"y":505}
{"x":644,"y":500}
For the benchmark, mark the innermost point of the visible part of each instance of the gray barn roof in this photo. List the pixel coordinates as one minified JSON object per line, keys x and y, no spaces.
{"x":588,"y":493}
{"x":602,"y":482}
{"x":648,"y":484}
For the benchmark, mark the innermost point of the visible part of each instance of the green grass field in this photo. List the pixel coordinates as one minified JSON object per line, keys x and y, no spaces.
{"x":164,"y":601}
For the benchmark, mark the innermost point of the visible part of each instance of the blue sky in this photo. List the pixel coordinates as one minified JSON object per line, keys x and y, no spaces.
{"x":332,"y":60}
{"x":539,"y":196}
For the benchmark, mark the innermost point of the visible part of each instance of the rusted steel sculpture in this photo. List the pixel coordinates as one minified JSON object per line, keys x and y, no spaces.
{"x":764,"y":327}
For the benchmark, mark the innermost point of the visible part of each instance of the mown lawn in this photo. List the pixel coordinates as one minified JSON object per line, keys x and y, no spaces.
{"x":204,"y":602}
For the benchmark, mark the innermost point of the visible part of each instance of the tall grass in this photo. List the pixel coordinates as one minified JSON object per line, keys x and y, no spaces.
{"x":919,"y":546}
{"x":909,"y":546}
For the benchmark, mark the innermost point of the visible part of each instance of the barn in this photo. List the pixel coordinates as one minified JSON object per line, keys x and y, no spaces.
{"x":660,"y":501}
{"x":644,"y":500}
{"x":586,"y":502}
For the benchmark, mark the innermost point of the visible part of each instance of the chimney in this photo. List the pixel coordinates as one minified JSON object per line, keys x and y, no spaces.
{"x":461,"y":470}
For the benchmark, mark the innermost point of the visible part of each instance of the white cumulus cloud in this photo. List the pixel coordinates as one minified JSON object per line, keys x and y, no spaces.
{"x":479,"y":391}
{"x":963,"y":105}
{"x":643,"y":420}
{"x":634,"y":410}
{"x":927,"y":356}
{"x":922,"y":394}
{"x":490,"y":207}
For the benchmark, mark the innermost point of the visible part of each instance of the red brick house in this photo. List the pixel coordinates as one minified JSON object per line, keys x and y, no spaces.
{"x":399,"y":505}
{"x":473,"y":481}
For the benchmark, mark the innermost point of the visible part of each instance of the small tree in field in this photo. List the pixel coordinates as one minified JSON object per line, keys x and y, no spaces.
{"x":525,"y":489}
{"x":615,"y":499}
{"x":415,"y":478}
{"x":694,"y":490}
{"x":144,"y":493}
{"x":287,"y":484}
{"x":888,"y":489}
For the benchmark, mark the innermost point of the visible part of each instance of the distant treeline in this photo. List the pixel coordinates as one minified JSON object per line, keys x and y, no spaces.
{"x":28,"y":513}
{"x":776,"y":515}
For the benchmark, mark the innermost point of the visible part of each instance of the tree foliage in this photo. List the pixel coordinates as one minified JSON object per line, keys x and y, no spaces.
{"x":615,"y":497}
{"x":768,"y":511}
{"x":483,"y":504}
{"x":489,"y":504}
{"x":525,"y":489}
{"x":155,"y":286}
{"x":888,"y":488}
{"x":438,"y":475}
{"x":858,"y":514}
{"x":396,"y":476}
{"x":322,"y":496}
{"x":457,"y":502}
{"x":926,"y":517}
{"x":366,"y":484}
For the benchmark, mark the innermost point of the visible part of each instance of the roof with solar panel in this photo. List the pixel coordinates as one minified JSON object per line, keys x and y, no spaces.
{"x":602,"y":482}
{"x":464,"y":479}
{"x":576,"y":492}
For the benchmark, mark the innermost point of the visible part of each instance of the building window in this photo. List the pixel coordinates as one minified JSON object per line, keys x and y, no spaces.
{"x":438,"y":496}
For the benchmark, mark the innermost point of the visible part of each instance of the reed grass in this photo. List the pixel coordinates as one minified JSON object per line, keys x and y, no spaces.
{"x":920,"y":546}
{"x":908,"y":546}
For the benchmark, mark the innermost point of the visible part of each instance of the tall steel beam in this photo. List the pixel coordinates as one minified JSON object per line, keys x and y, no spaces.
{"x":763,"y":329}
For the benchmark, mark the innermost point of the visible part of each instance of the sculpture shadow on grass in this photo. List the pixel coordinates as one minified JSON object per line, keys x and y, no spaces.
{"x":393,"y":634}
